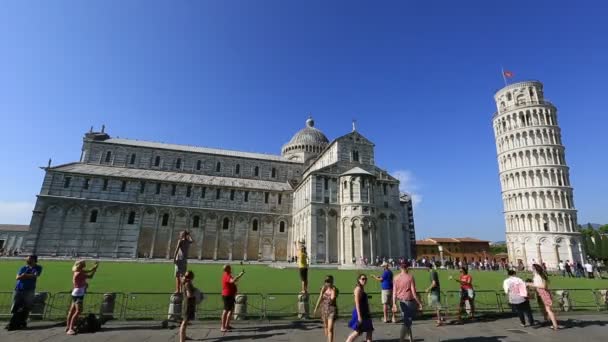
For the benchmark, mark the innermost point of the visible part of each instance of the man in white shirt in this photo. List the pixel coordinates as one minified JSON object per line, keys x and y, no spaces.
{"x":516,"y":292}
{"x":589,"y":269}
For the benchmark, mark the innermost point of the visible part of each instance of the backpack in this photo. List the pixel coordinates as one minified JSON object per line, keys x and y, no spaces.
{"x":88,"y":324}
{"x":199,"y":295}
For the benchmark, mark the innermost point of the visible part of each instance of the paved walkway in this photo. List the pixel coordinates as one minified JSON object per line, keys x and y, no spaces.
{"x":582,"y":328}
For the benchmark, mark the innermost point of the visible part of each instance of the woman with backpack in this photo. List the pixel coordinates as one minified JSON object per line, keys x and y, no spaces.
{"x":192,"y":297}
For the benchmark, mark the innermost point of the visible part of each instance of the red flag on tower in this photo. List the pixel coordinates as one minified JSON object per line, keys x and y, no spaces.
{"x":507,"y":74}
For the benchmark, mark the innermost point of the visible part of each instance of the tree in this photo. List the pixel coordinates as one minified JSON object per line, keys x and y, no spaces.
{"x":604,"y":244}
{"x":603,"y":229}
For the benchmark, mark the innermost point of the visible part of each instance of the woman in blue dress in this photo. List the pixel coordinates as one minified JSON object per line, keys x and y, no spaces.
{"x":361,"y":321}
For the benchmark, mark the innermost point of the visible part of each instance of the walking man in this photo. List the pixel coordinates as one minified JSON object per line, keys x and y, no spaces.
{"x":434,"y":291}
{"x":386,"y":283}
{"x":515,"y":289}
{"x":25,"y":290}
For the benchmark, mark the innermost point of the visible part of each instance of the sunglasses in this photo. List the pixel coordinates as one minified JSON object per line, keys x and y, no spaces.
{"x":364,"y":279}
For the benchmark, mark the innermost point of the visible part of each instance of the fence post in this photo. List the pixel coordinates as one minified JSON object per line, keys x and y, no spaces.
{"x":303,"y":305}
{"x":175,"y":307}
{"x":107,"y":307}
{"x":240,"y":307}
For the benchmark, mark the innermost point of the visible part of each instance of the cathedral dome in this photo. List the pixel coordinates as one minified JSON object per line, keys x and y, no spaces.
{"x":308,"y":139}
{"x":309,"y":135}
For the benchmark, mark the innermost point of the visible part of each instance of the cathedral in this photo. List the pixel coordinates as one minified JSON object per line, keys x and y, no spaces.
{"x":130,"y":199}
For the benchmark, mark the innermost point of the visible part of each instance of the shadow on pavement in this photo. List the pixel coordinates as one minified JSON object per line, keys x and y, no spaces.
{"x":239,"y":337}
{"x":478,"y":339}
{"x":304,"y":326}
{"x":574,"y":323}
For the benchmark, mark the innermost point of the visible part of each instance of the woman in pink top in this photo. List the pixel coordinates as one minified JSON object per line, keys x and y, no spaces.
{"x":79,"y":281}
{"x":404,"y":293}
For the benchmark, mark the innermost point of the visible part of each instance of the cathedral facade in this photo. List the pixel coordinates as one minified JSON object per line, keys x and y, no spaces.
{"x":129,"y":198}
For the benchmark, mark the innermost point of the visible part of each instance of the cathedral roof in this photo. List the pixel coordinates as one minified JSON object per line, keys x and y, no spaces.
{"x":197,"y":149}
{"x":309,"y":135}
{"x":173,"y":177}
{"x":356,"y":171}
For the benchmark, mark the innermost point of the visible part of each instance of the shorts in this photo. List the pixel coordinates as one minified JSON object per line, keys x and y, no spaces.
{"x":387,"y":297}
{"x":228,"y":302}
{"x":77,"y":300}
{"x":180,"y":267}
{"x":467,"y":294}
{"x":434,"y":300}
{"x":304,"y":274}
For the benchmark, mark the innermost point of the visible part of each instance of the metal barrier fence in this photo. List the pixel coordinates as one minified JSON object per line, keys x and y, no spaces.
{"x":484,"y":301}
{"x":59,"y":304}
{"x":6,"y":301}
{"x":155,"y":306}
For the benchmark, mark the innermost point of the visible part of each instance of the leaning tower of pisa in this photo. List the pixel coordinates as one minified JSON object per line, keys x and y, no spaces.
{"x":539,"y":210}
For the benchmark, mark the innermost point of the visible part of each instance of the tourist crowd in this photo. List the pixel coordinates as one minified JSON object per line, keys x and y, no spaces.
{"x":399,"y":294}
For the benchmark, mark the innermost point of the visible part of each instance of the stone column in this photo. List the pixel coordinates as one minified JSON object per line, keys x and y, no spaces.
{"x":340,"y":227}
{"x":201,"y":238}
{"x":557,"y":258}
{"x":580,"y":253}
{"x":274,"y":233}
{"x":41,"y":216}
{"x":63,"y":216}
{"x":232,"y":228}
{"x":83,"y":220}
{"x":539,"y":254}
{"x":570,"y":255}
{"x":171,"y":233}
{"x":154,"y":235}
{"x":246,"y":242}
{"x":216,"y":245}
{"x":523,"y":248}
{"x":117,"y":239}
{"x":388,"y":237}
{"x":327,"y":237}
{"x":361,"y":241}
{"x":260,"y":228}
{"x":371,"y":243}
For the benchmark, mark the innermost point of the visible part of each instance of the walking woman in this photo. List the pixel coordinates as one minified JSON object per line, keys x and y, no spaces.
{"x":228,"y":295}
{"x":361,"y":321}
{"x":79,"y":281}
{"x":404,"y":293}
{"x":329,"y":308}
{"x":189,"y":310}
{"x":541,"y":282}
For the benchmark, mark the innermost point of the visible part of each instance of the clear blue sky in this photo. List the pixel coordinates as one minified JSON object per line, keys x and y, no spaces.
{"x":418,"y":76}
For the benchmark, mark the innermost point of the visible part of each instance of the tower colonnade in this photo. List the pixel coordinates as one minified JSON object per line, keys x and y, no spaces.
{"x":538,"y":200}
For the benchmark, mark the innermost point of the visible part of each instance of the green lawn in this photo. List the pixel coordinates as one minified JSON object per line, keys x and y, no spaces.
{"x":279,"y":286}
{"x":158,"y":277}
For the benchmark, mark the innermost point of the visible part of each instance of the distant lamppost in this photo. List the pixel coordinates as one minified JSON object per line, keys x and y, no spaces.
{"x":440,"y":247}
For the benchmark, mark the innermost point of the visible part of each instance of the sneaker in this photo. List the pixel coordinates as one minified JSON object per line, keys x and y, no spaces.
{"x":71,"y":332}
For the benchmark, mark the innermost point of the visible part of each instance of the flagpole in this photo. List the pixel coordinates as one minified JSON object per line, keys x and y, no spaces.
{"x":502,"y":72}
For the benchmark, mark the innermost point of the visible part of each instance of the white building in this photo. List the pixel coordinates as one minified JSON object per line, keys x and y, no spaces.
{"x":540,"y":216}
{"x":131,"y":198}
